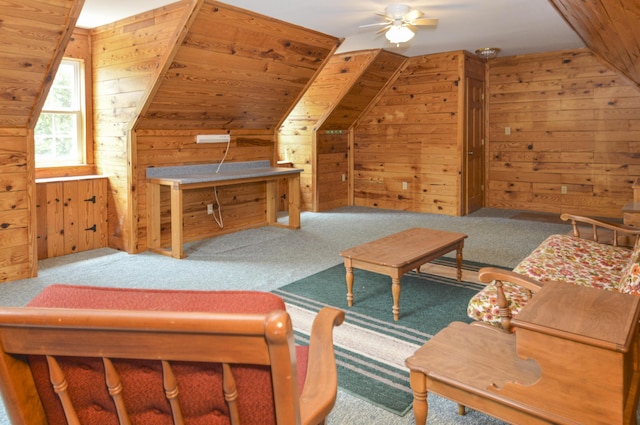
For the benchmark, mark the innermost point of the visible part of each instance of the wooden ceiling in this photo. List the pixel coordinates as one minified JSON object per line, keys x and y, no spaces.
{"x":610,"y":28}
{"x":236,"y":70}
{"x":33,"y":36}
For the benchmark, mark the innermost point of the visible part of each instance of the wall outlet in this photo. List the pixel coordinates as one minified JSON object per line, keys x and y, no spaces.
{"x":209,"y":209}
{"x":344,"y":177}
{"x":405,"y":185}
{"x":507,"y":131}
{"x":563,"y":189}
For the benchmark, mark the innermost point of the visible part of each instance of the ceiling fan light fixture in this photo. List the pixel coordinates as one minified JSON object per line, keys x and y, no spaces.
{"x":399,"y":34}
{"x":397,"y":11}
{"x":488,"y":52}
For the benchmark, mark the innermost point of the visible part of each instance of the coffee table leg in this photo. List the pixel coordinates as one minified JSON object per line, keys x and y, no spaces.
{"x":459,"y":259}
{"x":349,"y":285}
{"x":418,"y":382}
{"x":395,"y":292}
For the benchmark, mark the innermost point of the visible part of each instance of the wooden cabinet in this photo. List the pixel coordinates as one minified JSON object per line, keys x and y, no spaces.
{"x":573,"y":359}
{"x":71,"y":215}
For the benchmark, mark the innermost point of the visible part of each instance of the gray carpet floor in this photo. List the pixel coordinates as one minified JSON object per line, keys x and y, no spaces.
{"x":270,"y":257}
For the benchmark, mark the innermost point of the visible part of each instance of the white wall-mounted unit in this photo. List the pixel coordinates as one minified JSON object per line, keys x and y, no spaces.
{"x":213,"y":138}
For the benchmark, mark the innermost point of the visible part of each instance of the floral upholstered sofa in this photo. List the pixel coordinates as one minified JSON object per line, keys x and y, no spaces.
{"x":569,"y":258}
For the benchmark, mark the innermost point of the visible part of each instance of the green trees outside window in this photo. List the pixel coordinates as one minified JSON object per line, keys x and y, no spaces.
{"x":59,"y":132}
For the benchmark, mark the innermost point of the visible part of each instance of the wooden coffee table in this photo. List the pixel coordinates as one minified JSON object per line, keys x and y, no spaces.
{"x":396,"y":254}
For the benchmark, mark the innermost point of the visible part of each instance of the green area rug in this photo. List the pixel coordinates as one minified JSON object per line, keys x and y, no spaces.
{"x":372,"y":347}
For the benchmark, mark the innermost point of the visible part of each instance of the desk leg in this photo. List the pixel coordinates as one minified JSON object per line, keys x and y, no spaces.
{"x":272,"y":202}
{"x":293,"y":196}
{"x":418,"y":382}
{"x":153,"y":215}
{"x":459,"y":259}
{"x":395,"y":292}
{"x":349,"y":278}
{"x":176,"y":222}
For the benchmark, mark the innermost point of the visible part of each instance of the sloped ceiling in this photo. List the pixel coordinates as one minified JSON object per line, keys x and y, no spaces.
{"x":236,"y":70}
{"x":516,"y":26}
{"x":611,"y":29}
{"x":33,"y":34}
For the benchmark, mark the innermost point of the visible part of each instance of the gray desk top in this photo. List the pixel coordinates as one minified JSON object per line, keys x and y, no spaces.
{"x":201,"y":173}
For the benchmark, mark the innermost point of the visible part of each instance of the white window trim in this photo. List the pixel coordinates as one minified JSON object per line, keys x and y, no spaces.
{"x":80,"y":113}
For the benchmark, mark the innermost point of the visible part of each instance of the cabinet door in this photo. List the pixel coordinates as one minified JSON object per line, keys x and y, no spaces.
{"x":92,"y":218}
{"x":55,"y":219}
{"x":71,"y":216}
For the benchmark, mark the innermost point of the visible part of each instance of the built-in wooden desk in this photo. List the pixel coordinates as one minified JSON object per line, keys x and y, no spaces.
{"x":572,"y":360}
{"x":180,"y":178}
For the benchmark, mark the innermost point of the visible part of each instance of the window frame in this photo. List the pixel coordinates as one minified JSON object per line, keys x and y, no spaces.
{"x":79,"y":47}
{"x":76,"y":110}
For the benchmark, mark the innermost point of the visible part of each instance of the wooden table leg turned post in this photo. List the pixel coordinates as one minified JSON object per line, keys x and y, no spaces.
{"x":349,"y":278}
{"x":418,"y":382}
{"x":395,"y":292}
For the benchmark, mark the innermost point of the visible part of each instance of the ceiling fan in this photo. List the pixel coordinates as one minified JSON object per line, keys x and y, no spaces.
{"x":399,"y":19}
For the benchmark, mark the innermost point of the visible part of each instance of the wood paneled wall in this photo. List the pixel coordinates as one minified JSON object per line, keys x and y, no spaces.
{"x":297,"y":134}
{"x":241,"y":206}
{"x":235,"y":72}
{"x":413,"y":136}
{"x":33,"y":36}
{"x":128,"y":57}
{"x":335,"y":136}
{"x":574,"y":122}
{"x":316,"y":134}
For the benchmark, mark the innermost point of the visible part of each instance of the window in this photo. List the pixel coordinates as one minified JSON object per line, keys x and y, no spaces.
{"x":60,"y":131}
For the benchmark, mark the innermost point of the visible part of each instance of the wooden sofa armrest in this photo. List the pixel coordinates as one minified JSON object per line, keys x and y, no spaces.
{"x":320,"y":388}
{"x":490,"y":274}
{"x":597,"y":223}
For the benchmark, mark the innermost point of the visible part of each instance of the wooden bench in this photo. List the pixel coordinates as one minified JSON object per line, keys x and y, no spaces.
{"x":91,"y":355}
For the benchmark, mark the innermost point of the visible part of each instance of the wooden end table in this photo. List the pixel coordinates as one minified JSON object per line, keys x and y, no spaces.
{"x":396,"y":254}
{"x":573,"y":359}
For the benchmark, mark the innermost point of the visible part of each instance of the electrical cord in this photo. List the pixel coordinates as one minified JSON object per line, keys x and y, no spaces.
{"x":218,"y":219}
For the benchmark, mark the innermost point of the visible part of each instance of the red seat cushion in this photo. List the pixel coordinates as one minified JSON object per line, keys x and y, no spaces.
{"x":200,"y":386}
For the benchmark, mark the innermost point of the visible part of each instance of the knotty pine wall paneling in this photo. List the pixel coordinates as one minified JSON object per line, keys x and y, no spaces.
{"x":33,"y":36}
{"x":316,"y":134}
{"x":411,"y":138}
{"x":242,"y":206}
{"x":237,"y":73}
{"x":128,"y":56}
{"x":297,"y":139}
{"x":16,"y":226}
{"x":334,"y":137}
{"x":574,"y":124}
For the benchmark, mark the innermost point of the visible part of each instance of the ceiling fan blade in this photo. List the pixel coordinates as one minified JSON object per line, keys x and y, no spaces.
{"x":412,"y":15}
{"x":374,"y":25}
{"x":425,"y":21}
{"x":384,"y":29}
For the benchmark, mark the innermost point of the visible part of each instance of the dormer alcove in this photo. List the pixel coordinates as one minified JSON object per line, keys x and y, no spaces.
{"x":316,"y":134}
{"x":188,"y":69}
